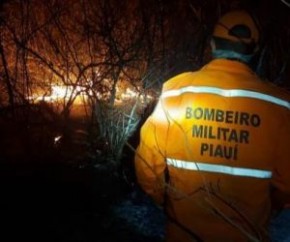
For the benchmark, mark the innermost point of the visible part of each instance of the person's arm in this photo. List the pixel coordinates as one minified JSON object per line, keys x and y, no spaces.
{"x":150,"y":162}
{"x":150,"y":157}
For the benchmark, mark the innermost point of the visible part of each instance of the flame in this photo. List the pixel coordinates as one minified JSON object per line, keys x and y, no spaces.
{"x":128,"y":94}
{"x":131,"y":94}
{"x":57,"y":138}
{"x":61,"y":93}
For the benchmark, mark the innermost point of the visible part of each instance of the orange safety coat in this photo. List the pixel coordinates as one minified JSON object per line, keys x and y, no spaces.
{"x":213,"y":152}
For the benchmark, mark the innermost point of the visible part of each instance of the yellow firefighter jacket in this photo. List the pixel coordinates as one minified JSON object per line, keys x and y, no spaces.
{"x":214,"y":150}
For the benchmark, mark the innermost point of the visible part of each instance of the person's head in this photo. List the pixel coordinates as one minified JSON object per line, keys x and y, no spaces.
{"x":235,"y":36}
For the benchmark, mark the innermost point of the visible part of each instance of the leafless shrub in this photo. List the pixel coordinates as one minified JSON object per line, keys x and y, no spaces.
{"x":115,"y":126}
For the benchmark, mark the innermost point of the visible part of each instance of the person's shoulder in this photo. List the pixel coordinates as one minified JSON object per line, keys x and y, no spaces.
{"x":178,"y":80}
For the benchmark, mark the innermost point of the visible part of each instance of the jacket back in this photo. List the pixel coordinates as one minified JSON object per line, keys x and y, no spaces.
{"x":222,"y":134}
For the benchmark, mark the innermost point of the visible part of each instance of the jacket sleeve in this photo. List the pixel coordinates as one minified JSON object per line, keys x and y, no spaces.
{"x":150,"y":160}
{"x":281,"y":173}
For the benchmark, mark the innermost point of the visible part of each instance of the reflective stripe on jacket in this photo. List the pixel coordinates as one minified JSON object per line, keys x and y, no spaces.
{"x":223,"y":134}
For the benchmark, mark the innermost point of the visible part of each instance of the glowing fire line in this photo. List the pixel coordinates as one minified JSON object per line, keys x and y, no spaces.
{"x":60,"y":93}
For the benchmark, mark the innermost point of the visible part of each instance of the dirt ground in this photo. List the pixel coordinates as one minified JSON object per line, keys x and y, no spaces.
{"x":61,"y":203}
{"x":45,"y":197}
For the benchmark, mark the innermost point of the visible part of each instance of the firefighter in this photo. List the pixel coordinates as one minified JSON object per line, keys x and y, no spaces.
{"x":214,"y":153}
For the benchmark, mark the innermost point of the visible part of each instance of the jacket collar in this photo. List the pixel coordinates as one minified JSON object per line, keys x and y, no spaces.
{"x":229,"y":65}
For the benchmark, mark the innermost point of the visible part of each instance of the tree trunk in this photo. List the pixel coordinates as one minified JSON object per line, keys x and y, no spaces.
{"x":7,"y":77}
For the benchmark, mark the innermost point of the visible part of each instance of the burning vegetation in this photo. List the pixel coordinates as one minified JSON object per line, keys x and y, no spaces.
{"x":78,"y":78}
{"x":90,"y":68}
